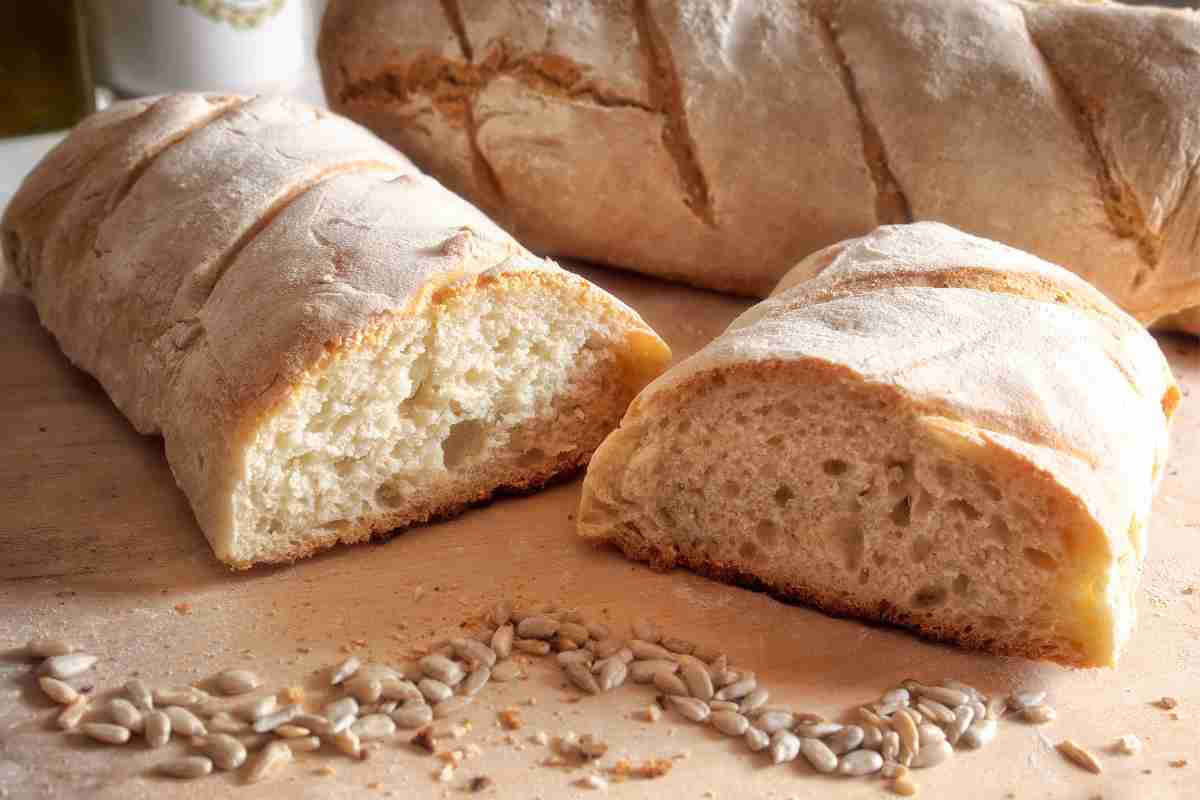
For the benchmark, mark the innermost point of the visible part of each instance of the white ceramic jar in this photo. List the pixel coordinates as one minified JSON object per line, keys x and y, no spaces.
{"x":142,"y":47}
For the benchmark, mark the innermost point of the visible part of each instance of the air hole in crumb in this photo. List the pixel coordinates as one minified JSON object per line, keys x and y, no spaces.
{"x":923,"y":505}
{"x":790,"y":409}
{"x":902,"y":513}
{"x":389,"y":495}
{"x":731,"y":489}
{"x":835,"y":466}
{"x":966,"y":509}
{"x":684,"y":426}
{"x":921,"y":548}
{"x":717,"y":380}
{"x":1041,"y":559}
{"x":740,"y":418}
{"x":962,"y":584}
{"x":775,"y":440}
{"x":530,"y":457}
{"x":782,"y":495}
{"x":767,"y":532}
{"x":929,"y":596}
{"x":748,"y":549}
{"x":852,"y":542}
{"x":466,"y":440}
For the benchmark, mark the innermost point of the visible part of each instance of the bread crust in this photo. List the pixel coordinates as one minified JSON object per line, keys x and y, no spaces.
{"x":957,"y":346}
{"x":718,"y":143}
{"x":206,"y":256}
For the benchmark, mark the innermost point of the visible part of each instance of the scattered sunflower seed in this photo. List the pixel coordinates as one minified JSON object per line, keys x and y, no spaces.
{"x":340,"y":708}
{"x":860,"y":762}
{"x":689,"y":707}
{"x":729,"y":723}
{"x":123,"y":713}
{"x":582,"y":678}
{"x":373,"y":726}
{"x":668,"y":683}
{"x":186,"y":767}
{"x":947,"y":697}
{"x":755,"y":700}
{"x":506,"y":671}
{"x":890,"y":746}
{"x":537,"y":627}
{"x":647,"y":651}
{"x":1026,"y":698}
{"x":699,"y":682}
{"x":935,"y":710}
{"x":344,"y":670}
{"x":895,"y":697}
{"x":226,"y":752}
{"x":273,"y":758}
{"x":411,"y":716}
{"x":928,"y":733}
{"x":1079,"y":755}
{"x":846,"y":740}
{"x":59,"y":691}
{"x":964,"y":715}
{"x":593,"y":782}
{"x":181,"y":696}
{"x":443,"y":669}
{"x":818,"y":754}
{"x":909,"y":741}
{"x":184,"y":722}
{"x":502,"y":641}
{"x":979,"y":734}
{"x":612,"y":674}
{"x":434,"y":690}
{"x":574,"y":632}
{"x":289,"y":731}
{"x":574,"y":656}
{"x":646,"y":630}
{"x":1038,"y":715}
{"x":931,"y":755}
{"x":785,"y":746}
{"x":237,"y":681}
{"x":817,"y":730}
{"x":678,"y":645}
{"x":474,"y":682}
{"x":451,"y":706}
{"x":644,"y":671}
{"x":272,"y":721}
{"x":1128,"y":745}
{"x":105,"y":732}
{"x":772,"y":721}
{"x":608,"y":647}
{"x":738,"y":689}
{"x":757,"y":740}
{"x":724,"y":705}
{"x":139,"y":694}
{"x":68,"y":665}
{"x":872,"y":739}
{"x":156,"y":728}
{"x":996,"y":707}
{"x":48,"y":648}
{"x":904,"y":786}
{"x":501,"y":613}
{"x":347,"y":743}
{"x":533,"y":647}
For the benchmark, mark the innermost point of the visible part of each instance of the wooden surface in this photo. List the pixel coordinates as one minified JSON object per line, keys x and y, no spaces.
{"x":97,"y":545}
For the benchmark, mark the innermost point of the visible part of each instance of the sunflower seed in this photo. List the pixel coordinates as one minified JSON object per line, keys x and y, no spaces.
{"x":1038,"y":715}
{"x":507,"y":671}
{"x":979,"y":734}
{"x":582,"y":677}
{"x":573,"y":657}
{"x":738,"y":689}
{"x":344,"y":670}
{"x":341,"y":723}
{"x":893,"y":770}
{"x":773,"y":721}
{"x":272,"y":721}
{"x":859,"y":763}
{"x":646,"y":630}
{"x":890,"y":746}
{"x":574,"y":631}
{"x":288,"y":731}
{"x":869,"y":717}
{"x":607,"y":647}
{"x":646,"y":651}
{"x":186,"y":767}
{"x":561,"y":645}
{"x":412,"y":716}
{"x":723,"y":705}
{"x":58,"y":691}
{"x":644,"y":671}
{"x":818,"y":754}
{"x":725,"y":677}
{"x":533,"y":647}
{"x":124,"y":714}
{"x":1026,"y":698}
{"x":314,"y":722}
{"x":184,"y":722}
{"x":442,"y":669}
{"x":667,"y":683}
{"x":347,"y":743}
{"x":846,"y":740}
{"x":502,"y":641}
{"x":237,"y":681}
{"x":936,"y":711}
{"x":718,"y":664}
{"x":729,"y":723}
{"x":373,"y":726}
{"x":755,"y":700}
{"x":979,"y":708}
{"x":964,"y":715}
{"x":598,"y":631}
{"x":365,"y":689}
{"x":451,"y":706}
{"x":1079,"y":755}
{"x":398,"y":689}
{"x":273,"y":758}
{"x":537,"y":627}
{"x":928,"y":733}
{"x":906,"y":729}
{"x":612,"y":674}
{"x":255,"y":741}
{"x":817,"y":730}
{"x":785,"y":745}
{"x":48,"y":648}
{"x":474,"y":682}
{"x":679,"y":646}
{"x":1127,"y":745}
{"x":474,"y":652}
{"x":156,"y":728}
{"x":181,"y":696}
{"x":698,"y":681}
{"x":689,"y":707}
{"x":139,"y":694}
{"x":340,"y":708}
{"x":105,"y":732}
{"x":68,"y":665}
{"x":257,"y":709}
{"x":942,"y":695}
{"x":501,"y":613}
{"x":931,"y":755}
{"x":872,"y":739}
{"x":434,"y":690}
{"x":758,"y":740}
{"x":225,"y":751}
{"x":895,"y":697}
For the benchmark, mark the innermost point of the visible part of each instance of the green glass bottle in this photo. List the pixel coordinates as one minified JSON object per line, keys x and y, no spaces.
{"x":45,"y":80}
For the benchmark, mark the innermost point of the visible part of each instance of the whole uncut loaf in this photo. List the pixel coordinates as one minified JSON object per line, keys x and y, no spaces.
{"x":719,"y":142}
{"x":936,"y":430}
{"x":331,"y":344}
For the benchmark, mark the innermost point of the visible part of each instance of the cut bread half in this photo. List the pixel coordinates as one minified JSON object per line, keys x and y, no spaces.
{"x":332,"y":345}
{"x":935,"y":431}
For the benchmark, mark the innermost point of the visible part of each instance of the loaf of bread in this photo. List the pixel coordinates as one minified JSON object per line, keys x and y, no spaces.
{"x":936,"y":431}
{"x":331,"y":344}
{"x":718,"y":142}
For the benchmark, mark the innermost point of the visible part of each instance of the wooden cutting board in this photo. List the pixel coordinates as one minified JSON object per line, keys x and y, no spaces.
{"x":97,"y":545}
